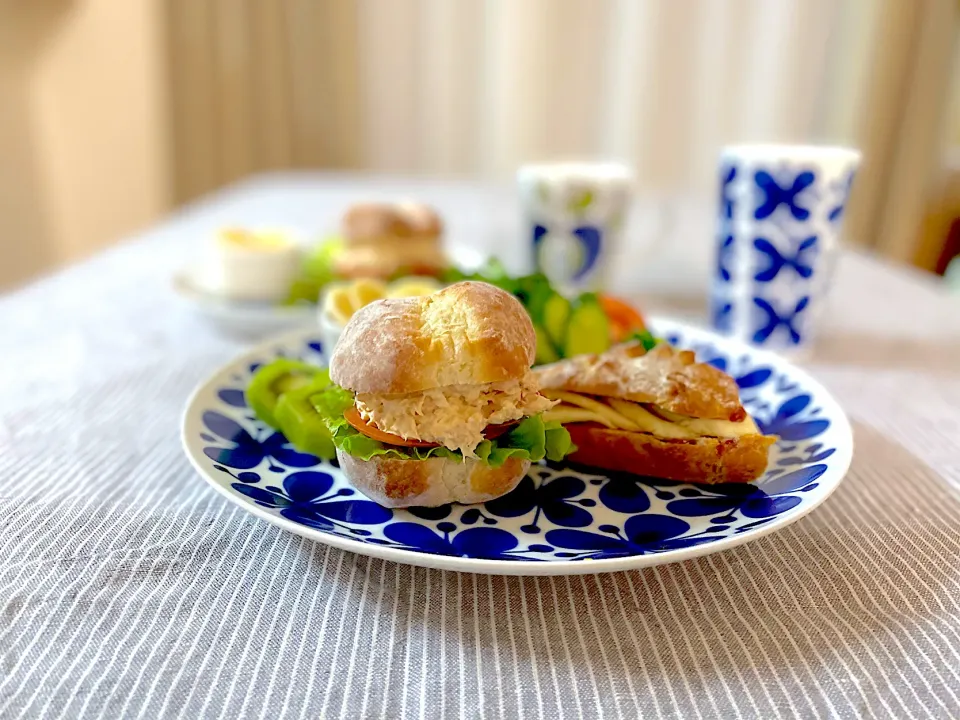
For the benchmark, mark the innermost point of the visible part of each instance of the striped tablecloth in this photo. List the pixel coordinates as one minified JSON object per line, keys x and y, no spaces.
{"x":129,"y":589}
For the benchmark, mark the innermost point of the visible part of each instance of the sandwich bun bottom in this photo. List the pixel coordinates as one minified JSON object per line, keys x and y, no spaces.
{"x":706,"y":460}
{"x":398,"y":483}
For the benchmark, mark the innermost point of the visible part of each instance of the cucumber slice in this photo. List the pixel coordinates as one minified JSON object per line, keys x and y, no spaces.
{"x":534,"y":291}
{"x":556,"y":315}
{"x":589,"y":328}
{"x":274,"y":379}
{"x":300,"y":422}
{"x":546,"y":353}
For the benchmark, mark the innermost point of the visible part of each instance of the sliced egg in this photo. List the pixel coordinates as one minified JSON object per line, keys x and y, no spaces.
{"x":413,"y":286}
{"x":341,"y":300}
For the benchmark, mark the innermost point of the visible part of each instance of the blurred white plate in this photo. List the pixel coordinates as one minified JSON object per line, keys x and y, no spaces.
{"x":255,"y":319}
{"x":248,"y":318}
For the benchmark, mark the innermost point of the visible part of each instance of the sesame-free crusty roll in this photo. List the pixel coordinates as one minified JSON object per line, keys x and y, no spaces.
{"x":467,"y":334}
{"x":449,"y":371}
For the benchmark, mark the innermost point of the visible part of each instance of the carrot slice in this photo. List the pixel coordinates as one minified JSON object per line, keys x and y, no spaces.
{"x":492,"y":432}
{"x":622,"y":314}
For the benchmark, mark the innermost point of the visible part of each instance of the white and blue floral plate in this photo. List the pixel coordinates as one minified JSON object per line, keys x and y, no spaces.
{"x":559,"y":520}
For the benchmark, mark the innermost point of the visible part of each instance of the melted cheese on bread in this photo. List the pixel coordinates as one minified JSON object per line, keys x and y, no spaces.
{"x":624,"y":415}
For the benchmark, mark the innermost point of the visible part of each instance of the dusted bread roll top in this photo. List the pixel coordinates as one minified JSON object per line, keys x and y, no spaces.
{"x":468,"y":333}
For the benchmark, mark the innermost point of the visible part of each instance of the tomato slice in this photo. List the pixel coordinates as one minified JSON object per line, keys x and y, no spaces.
{"x":492,"y":432}
{"x":352,"y":416}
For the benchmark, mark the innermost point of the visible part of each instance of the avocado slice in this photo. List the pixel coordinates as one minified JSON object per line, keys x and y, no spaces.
{"x":300,"y":422}
{"x":272,"y":380}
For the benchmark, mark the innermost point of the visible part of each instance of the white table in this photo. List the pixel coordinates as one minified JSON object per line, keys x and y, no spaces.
{"x":128,"y":589}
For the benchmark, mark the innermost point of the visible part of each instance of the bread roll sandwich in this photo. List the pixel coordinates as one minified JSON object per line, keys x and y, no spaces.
{"x":385,"y":240}
{"x":434,"y":400}
{"x":657,"y":413}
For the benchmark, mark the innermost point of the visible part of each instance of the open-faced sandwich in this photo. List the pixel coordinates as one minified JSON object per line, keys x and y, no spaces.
{"x":433,"y":400}
{"x":658,"y":413}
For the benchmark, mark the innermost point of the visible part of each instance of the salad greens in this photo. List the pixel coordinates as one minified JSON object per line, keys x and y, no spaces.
{"x":644,"y":337}
{"x":588,"y":323}
{"x":316,"y":272}
{"x":565,"y":327}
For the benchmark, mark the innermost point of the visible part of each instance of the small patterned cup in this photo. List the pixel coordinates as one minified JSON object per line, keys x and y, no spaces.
{"x":781,"y":208}
{"x":574,"y":214}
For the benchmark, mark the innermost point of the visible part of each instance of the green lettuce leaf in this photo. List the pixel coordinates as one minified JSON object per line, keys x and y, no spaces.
{"x":532,"y":438}
{"x":316,"y":272}
{"x":558,"y":442}
{"x":645,"y":337}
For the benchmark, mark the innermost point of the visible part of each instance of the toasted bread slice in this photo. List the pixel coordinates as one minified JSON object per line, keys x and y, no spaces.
{"x":660,"y":414}
{"x":706,"y":460}
{"x":666,"y":377}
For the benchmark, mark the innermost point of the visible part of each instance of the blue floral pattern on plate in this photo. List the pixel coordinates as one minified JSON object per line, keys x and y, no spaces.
{"x":556,"y":514}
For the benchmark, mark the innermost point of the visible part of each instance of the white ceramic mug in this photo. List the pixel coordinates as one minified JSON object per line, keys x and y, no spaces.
{"x":781,"y":210}
{"x":574,"y":215}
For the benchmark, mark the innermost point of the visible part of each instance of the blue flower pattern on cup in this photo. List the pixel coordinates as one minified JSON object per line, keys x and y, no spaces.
{"x":724,"y":251}
{"x":836,"y":212}
{"x":727,"y":175}
{"x":721,"y":313}
{"x":555,"y":513}
{"x":791,"y":211}
{"x":787,"y":192}
{"x":772,"y":319}
{"x":788,"y":196}
{"x":590,"y":239}
{"x":721,"y":308}
{"x":799,"y":261}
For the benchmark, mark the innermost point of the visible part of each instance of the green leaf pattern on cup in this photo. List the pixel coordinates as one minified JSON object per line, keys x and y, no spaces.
{"x":579,"y":203}
{"x":543,"y":191}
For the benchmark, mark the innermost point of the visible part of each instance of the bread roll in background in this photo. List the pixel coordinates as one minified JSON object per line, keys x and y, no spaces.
{"x":385,"y":222}
{"x":383,"y":239}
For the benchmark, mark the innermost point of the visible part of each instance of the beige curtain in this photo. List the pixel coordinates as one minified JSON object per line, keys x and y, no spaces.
{"x":902,"y":128}
{"x":476,"y":87}
{"x":83,"y":128}
{"x":114,"y":111}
